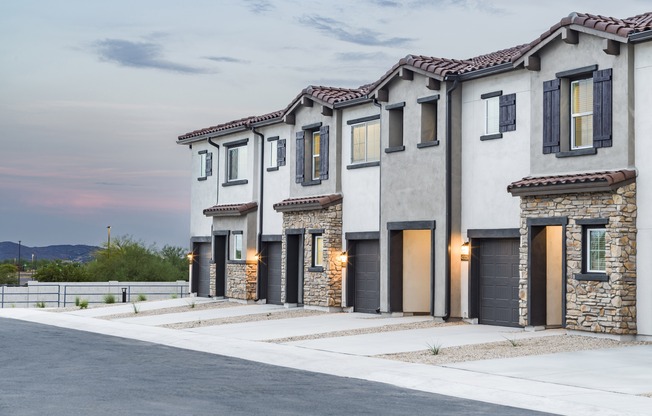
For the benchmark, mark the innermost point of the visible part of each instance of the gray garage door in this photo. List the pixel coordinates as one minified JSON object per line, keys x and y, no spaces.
{"x":366,"y":266}
{"x":203,"y":251}
{"x":498,"y":280}
{"x":274,"y":273}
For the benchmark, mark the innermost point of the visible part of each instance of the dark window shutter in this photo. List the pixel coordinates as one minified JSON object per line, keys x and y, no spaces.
{"x":209,"y":164}
{"x":507,"y":113}
{"x":602,"y":108}
{"x":551,"y":116}
{"x":323,"y":152}
{"x":280,"y":153}
{"x":301,"y":157}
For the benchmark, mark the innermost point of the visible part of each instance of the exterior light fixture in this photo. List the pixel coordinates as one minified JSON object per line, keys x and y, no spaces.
{"x":344,"y":257}
{"x":257,"y":256}
{"x":191,"y":257}
{"x":464,"y":251}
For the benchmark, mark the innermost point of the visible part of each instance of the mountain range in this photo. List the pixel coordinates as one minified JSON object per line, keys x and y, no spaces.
{"x":78,"y":253}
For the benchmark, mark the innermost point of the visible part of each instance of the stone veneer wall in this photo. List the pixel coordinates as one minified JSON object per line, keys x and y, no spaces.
{"x":212,"y":290}
{"x":241,"y":280}
{"x":319,"y":288}
{"x":606,"y":307}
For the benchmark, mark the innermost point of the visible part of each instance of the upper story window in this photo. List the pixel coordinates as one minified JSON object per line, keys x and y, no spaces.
{"x":581,"y":113}
{"x":586,"y":123}
{"x":428,"y":121}
{"x":205,"y":164}
{"x":312,"y":148}
{"x":236,"y":162}
{"x":499,"y":114}
{"x":365,"y":142}
{"x":395,"y":127}
{"x":491,"y":115}
{"x":315,"y":156}
{"x":275,"y":153}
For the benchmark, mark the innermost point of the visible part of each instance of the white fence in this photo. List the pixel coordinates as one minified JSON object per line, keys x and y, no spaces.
{"x":54,"y":295}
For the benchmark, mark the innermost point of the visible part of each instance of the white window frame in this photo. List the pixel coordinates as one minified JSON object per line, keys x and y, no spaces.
{"x":574,"y":116}
{"x":492,"y":115}
{"x":315,"y":158}
{"x":365,"y":126}
{"x":241,"y":173}
{"x":202,"y":164}
{"x":318,"y":250}
{"x":236,"y":253}
{"x":273,"y":154}
{"x":589,"y":239}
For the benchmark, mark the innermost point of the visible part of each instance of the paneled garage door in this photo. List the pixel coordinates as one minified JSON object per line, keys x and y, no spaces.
{"x":498,"y":281}
{"x":274,"y":273}
{"x":366,"y":266}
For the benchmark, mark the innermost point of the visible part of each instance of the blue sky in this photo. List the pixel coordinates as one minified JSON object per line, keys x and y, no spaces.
{"x":93,"y":94}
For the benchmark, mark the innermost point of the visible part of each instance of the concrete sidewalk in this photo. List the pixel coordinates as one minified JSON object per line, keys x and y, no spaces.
{"x":601,"y":382}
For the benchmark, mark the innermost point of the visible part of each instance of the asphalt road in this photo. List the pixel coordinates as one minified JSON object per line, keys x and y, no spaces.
{"x":46,"y":370}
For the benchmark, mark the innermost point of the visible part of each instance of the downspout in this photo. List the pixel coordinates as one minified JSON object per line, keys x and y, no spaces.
{"x":259,"y":237}
{"x":449,"y":191}
{"x":217,"y":171}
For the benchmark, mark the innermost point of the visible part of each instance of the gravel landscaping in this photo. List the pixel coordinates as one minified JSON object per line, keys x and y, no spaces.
{"x":191,"y":306}
{"x":293,"y":313}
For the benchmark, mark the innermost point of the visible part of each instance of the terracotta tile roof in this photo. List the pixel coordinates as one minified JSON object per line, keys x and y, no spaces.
{"x":580,"y":182}
{"x":243,"y":122}
{"x":230,"y":210}
{"x":495,"y":58}
{"x":334,"y":95}
{"x":308,"y":203}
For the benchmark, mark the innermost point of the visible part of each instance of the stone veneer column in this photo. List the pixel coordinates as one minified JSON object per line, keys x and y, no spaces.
{"x":241,"y":280}
{"x":595,"y":306}
{"x":319,"y":288}
{"x":213,"y":276}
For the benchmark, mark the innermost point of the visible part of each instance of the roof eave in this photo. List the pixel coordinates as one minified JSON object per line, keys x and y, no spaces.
{"x":567,"y":188}
{"x":211,"y":135}
{"x":492,"y":70}
{"x":352,"y":102}
{"x":640,"y":36}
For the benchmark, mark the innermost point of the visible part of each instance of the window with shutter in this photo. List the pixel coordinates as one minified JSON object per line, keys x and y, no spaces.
{"x":551,"y":96}
{"x":602,"y":108}
{"x":203,"y":157}
{"x":301,"y":155}
{"x":280,"y":149}
{"x":209,"y":164}
{"x":323,"y":153}
{"x":507,"y":113}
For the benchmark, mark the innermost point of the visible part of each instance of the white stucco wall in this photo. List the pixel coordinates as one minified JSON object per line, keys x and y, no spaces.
{"x":360,"y":187}
{"x":203,"y":194}
{"x":643,"y":128}
{"x":277,"y":182}
{"x":489,"y":166}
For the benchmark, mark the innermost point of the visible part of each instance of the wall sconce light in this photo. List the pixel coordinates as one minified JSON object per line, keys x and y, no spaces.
{"x":344,"y":258}
{"x":257,"y":256}
{"x":464,"y":251}
{"x":191,"y":257}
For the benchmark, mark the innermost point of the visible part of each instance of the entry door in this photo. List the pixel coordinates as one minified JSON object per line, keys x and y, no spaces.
{"x":274,"y":273}
{"x":365,"y":263}
{"x":294,"y":269}
{"x":220,"y":265}
{"x":203,"y":274}
{"x":498,"y":263}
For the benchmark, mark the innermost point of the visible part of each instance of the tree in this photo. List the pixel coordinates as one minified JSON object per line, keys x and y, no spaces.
{"x":129,"y":260}
{"x":8,"y":274}
{"x":59,"y":271}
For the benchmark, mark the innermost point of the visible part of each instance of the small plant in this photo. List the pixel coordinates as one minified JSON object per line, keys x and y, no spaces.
{"x":40,"y":304}
{"x":141,"y":297}
{"x":136,"y":309}
{"x":192,"y":304}
{"x":77,"y":300}
{"x":83,"y":303}
{"x":173,"y":296}
{"x":434,"y":348}
{"x":109,"y":298}
{"x":512,"y":341}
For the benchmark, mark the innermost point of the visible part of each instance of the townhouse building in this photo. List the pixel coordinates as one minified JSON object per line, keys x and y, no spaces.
{"x":507,"y":189}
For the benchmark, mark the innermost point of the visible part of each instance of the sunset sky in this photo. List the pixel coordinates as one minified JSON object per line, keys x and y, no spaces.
{"x":93,"y":94}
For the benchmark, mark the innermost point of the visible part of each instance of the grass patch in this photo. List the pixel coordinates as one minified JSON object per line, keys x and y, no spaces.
{"x":40,"y":304}
{"x":141,"y":298}
{"x":512,"y":341}
{"x":83,"y":303}
{"x":109,"y":298}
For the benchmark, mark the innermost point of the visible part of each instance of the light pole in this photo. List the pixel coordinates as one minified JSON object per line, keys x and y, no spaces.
{"x":108,"y":239}
{"x":19,"y":262}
